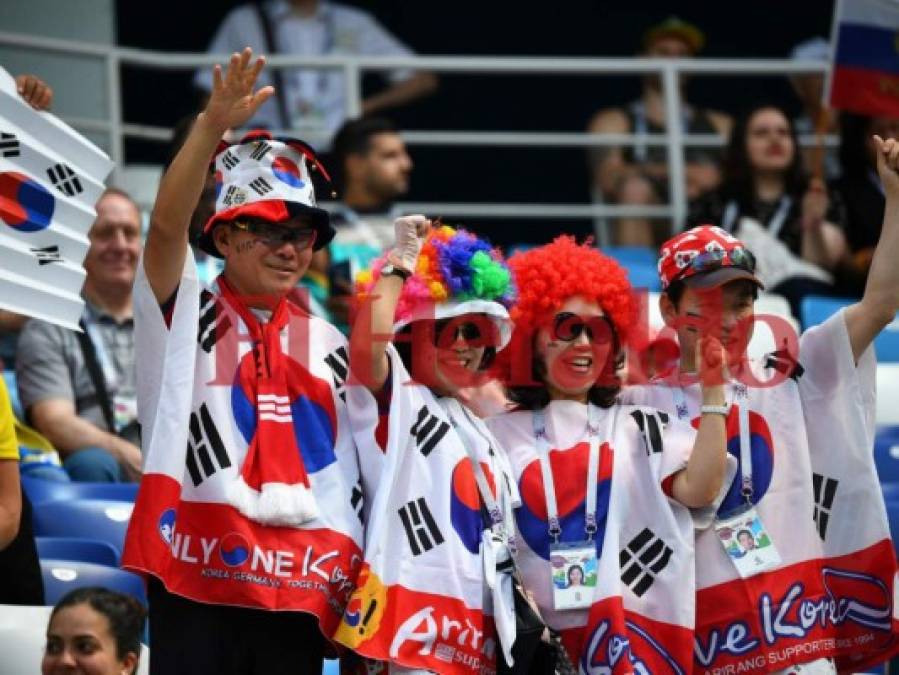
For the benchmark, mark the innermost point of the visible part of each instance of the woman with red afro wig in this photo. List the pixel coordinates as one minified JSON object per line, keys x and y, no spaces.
{"x":603,"y":486}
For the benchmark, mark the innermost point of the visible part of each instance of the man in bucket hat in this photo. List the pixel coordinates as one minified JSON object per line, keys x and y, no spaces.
{"x":247,"y":519}
{"x":800,"y":424}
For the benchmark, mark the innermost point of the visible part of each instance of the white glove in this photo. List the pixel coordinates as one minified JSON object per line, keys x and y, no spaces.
{"x":410,"y":233}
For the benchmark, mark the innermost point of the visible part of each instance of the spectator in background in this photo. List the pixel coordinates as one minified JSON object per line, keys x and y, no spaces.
{"x":638,"y":175}
{"x":94,"y":630}
{"x":768,"y":201}
{"x":38,"y":94}
{"x":313,"y":102}
{"x":372,"y":169}
{"x":809,"y":90}
{"x":20,"y":573}
{"x":862,"y":193}
{"x":78,"y":389}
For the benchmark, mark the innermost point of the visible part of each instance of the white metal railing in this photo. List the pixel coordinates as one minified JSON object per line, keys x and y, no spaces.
{"x":353,"y":67}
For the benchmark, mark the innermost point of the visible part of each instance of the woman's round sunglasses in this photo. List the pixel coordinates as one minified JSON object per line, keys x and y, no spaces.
{"x":568,"y":327}
{"x":468,"y":330}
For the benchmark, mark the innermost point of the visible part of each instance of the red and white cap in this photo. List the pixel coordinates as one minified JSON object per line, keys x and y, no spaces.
{"x":266,"y":178}
{"x":705,"y":257}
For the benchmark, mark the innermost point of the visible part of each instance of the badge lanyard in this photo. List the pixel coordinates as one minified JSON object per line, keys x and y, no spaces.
{"x":746,"y":485}
{"x":549,"y":486}
{"x":775,"y":223}
{"x":498,"y":518}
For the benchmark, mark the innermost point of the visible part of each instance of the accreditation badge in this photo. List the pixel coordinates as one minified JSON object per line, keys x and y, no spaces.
{"x":574,"y":572}
{"x":747,"y":543}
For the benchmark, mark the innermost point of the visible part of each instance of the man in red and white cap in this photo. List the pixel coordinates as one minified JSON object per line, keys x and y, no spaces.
{"x":247,"y":521}
{"x":817,"y":592}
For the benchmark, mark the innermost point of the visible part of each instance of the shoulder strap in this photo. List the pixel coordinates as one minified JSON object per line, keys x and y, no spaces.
{"x":93,"y":369}
{"x":277,"y":73}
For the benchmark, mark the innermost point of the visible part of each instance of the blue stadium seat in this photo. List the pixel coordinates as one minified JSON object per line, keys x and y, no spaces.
{"x":886,"y":454}
{"x":331,"y":667}
{"x":644,"y":276}
{"x":518,"y":248}
{"x":88,"y":518}
{"x":9,"y":376}
{"x":42,"y":491}
{"x":62,"y":576}
{"x":817,"y":309}
{"x":77,"y":549}
{"x":632,"y":255}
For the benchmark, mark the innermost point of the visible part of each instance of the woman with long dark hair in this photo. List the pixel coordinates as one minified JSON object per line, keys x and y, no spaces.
{"x":766,"y":198}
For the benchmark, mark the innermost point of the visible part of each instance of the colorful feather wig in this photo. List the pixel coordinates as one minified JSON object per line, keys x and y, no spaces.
{"x":456,"y":269}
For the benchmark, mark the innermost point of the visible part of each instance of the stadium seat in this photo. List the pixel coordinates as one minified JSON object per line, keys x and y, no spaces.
{"x":886,"y":455}
{"x":887,"y":394}
{"x":331,"y":667}
{"x":632,"y":255}
{"x":816,"y":309}
{"x":23,"y":634}
{"x":641,"y":275}
{"x":77,"y":549}
{"x":518,"y":248}
{"x":100,"y":519}
{"x":42,"y":491}
{"x":9,"y":376}
{"x":62,"y":576}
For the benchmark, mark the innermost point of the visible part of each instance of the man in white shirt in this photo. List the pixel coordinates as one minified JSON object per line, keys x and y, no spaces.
{"x":313,"y":101}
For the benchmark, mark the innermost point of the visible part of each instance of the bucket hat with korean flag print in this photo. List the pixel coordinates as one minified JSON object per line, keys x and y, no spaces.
{"x":269,"y":179}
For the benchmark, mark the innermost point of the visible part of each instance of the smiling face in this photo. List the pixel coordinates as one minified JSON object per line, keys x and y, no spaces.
{"x":459,"y":352}
{"x":111,"y":260}
{"x":262,"y":268}
{"x":575,"y":576}
{"x":575,"y":349}
{"x":725,"y":312}
{"x":79,"y":641}
{"x":769,"y":143}
{"x":746,"y":540}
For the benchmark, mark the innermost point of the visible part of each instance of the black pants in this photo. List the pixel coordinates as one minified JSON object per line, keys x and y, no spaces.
{"x":194,"y":638}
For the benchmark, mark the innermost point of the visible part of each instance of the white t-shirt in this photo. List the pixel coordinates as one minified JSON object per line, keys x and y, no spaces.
{"x":817,"y":494}
{"x":315,"y":98}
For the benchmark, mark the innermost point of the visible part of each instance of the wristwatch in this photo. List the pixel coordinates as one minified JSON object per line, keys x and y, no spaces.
{"x":715,"y":410}
{"x":390,"y":269}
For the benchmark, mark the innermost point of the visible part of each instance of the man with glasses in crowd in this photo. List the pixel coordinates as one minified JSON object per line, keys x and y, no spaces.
{"x":248,"y":518}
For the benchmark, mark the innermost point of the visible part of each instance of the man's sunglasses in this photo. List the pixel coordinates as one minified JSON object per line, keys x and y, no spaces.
{"x":708,"y":261}
{"x":568,"y":327}
{"x":274,"y":234}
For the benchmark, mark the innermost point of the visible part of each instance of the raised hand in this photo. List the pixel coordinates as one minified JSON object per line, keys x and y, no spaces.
{"x":888,"y":164}
{"x":711,"y":362}
{"x":410,"y":233}
{"x":814,"y":204}
{"x":233,"y":102}
{"x":35,"y":91}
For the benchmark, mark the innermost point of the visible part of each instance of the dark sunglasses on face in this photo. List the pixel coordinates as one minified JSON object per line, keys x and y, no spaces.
{"x":274,"y":234}
{"x":568,"y":327}
{"x":469,"y":331}
{"x":713,"y":260}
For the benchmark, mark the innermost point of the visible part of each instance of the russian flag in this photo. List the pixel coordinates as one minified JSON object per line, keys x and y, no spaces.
{"x":865,"y":77}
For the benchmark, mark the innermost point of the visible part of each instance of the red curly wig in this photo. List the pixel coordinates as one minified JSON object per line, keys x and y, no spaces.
{"x":547,"y":276}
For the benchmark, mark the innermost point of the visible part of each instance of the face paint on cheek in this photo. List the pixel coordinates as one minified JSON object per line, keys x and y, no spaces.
{"x":245,"y":246}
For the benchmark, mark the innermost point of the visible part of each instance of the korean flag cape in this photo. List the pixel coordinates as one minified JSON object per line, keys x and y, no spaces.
{"x":197,"y":419}
{"x":50,"y":179}
{"x":641,"y":618}
{"x":817,"y":495}
{"x":422,"y":599}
